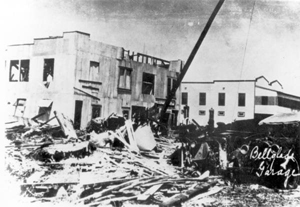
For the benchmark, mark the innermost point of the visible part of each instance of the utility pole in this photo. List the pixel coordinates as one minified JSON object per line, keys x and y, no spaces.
{"x":190,"y":59}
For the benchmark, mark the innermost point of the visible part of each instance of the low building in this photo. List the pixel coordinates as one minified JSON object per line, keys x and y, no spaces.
{"x":233,"y":100}
{"x":85,"y":79}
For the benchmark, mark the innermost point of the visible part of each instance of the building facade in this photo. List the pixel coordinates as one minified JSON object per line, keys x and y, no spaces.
{"x":85,"y":79}
{"x":235,"y":100}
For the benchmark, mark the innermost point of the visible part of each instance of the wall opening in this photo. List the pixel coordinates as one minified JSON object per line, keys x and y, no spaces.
{"x":125,"y":78}
{"x":96,"y":111}
{"x":148,"y":83}
{"x":221,"y":101}
{"x":45,"y":110}
{"x":184,"y":98}
{"x":20,"y":107}
{"x":24,"y":71}
{"x":48,"y":70}
{"x":125,"y":112}
{"x":77,"y":114}
{"x":202,"y":99}
{"x":242,"y":99}
{"x":19,"y":72}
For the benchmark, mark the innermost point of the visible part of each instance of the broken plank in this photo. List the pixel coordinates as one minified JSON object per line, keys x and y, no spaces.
{"x":131,"y":137}
{"x":66,"y":125}
{"x":47,"y":121}
{"x":108,"y":201}
{"x":212,"y":191}
{"x":144,"y":196}
{"x":186,"y":195}
{"x":105,"y":192}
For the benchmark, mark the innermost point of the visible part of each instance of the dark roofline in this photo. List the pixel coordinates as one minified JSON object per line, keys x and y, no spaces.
{"x":279,"y":92}
{"x":263,"y":78}
{"x":84,"y":33}
{"x":276,"y":81}
{"x":47,"y":38}
{"x":21,"y":44}
{"x":187,"y":82}
{"x":55,"y":37}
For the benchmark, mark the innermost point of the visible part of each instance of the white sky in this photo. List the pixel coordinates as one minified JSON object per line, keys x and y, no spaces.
{"x":170,"y":28}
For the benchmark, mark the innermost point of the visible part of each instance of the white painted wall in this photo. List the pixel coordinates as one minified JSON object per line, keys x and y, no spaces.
{"x":231,"y":108}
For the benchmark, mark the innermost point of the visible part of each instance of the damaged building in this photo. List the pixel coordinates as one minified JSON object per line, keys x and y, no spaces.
{"x":85,"y":79}
{"x":232,"y":100}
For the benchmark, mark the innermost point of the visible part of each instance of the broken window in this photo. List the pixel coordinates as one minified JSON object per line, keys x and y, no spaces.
{"x":125,"y":78}
{"x":184,"y":98}
{"x":242,"y":99}
{"x":96,"y":111}
{"x":20,"y":107}
{"x":14,"y":71}
{"x":44,"y":110}
{"x":24,"y":71}
{"x":48,"y":70}
{"x":148,"y":83}
{"x":221,"y":99}
{"x":17,"y":72}
{"x":202,"y":99}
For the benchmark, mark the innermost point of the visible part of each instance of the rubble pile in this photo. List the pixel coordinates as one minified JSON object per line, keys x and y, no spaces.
{"x":113,"y":164}
{"x":117,"y":162}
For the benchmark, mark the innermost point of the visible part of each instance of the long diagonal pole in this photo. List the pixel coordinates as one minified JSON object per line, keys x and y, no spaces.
{"x":190,"y":59}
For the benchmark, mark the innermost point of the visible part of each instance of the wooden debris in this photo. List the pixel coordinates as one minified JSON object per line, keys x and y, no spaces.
{"x":131,"y":136}
{"x":182,"y":197}
{"x":66,"y":125}
{"x":144,"y":196}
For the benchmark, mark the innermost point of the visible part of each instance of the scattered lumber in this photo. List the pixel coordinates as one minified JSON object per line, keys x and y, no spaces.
{"x":182,"y":197}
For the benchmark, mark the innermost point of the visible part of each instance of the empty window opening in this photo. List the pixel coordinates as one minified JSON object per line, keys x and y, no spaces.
{"x":221,"y":113}
{"x":242,"y":99}
{"x":96,"y":111}
{"x":184,"y":98}
{"x":45,"y":107}
{"x":48,"y":70}
{"x":125,"y":78}
{"x":148,"y":83}
{"x":170,"y":86}
{"x":221,"y":99}
{"x":201,"y":112}
{"x":125,"y":113}
{"x":20,"y":107}
{"x":264,"y":100}
{"x":77,"y":114}
{"x":94,"y":66}
{"x":94,"y":73}
{"x":14,"y":71}
{"x":202,"y":99}
{"x":241,"y":114}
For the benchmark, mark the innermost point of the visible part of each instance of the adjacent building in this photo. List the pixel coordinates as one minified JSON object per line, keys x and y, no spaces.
{"x":233,"y":100}
{"x":85,"y":79}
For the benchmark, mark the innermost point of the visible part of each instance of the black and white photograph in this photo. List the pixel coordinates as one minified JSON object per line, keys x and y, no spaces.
{"x":159,"y":103}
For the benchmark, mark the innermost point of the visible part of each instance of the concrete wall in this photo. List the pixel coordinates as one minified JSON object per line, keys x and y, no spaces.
{"x":231,"y":108}
{"x":74,"y":79}
{"x":107,"y":77}
{"x":60,"y":90}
